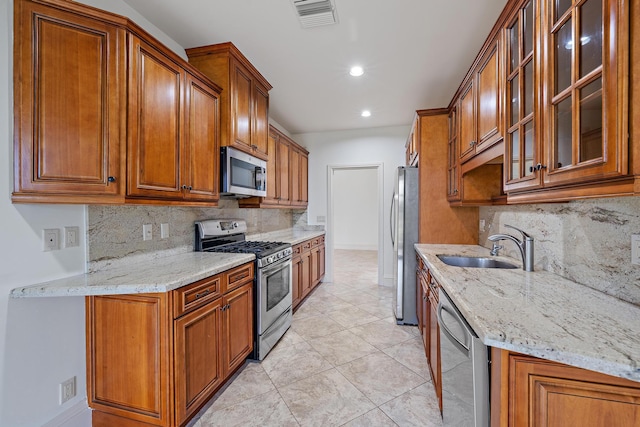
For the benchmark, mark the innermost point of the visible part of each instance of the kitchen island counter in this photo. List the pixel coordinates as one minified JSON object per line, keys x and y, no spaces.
{"x":540,"y":313}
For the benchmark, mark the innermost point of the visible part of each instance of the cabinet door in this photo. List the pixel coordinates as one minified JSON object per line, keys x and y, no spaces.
{"x":198,"y":368}
{"x":304,"y":180}
{"x":546,"y":393}
{"x":155,"y":123}
{"x":521,"y":146}
{"x":128,"y":356}
{"x":284,"y":161}
{"x":294,"y":176}
{"x":273,"y":176}
{"x":466,"y":116}
{"x":488,"y":100}
{"x":585,"y":90}
{"x":296,"y":280}
{"x":260,"y":127}
{"x":315,"y":266}
{"x":434,"y":346}
{"x":69,"y":89}
{"x":200,"y":148}
{"x":241,"y":107}
{"x":305,"y":274}
{"x":238,"y":326}
{"x":453,"y":170}
{"x":321,"y":260}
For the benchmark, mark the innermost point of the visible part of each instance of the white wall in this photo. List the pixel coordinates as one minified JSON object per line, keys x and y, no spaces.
{"x":42,"y":341}
{"x":350,"y":148}
{"x":355,"y":209}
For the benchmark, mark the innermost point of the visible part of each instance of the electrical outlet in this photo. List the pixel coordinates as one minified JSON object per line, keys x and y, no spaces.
{"x":164,"y":231}
{"x":71,"y":237}
{"x":67,"y":389}
{"x":635,"y":249}
{"x":147,"y":232}
{"x":482,"y":225}
{"x":51,"y":239}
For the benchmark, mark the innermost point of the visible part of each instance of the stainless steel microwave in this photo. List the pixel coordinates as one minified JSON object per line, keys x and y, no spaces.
{"x":243,"y":175}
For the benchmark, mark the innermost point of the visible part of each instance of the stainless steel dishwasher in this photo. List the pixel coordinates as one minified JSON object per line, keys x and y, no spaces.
{"x":465,"y":369}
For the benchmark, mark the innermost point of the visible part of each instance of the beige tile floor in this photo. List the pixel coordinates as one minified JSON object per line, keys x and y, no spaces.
{"x":343,"y":362}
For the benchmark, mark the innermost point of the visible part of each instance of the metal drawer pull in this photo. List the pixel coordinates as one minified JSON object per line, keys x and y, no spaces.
{"x":202,"y":294}
{"x":235,"y":279}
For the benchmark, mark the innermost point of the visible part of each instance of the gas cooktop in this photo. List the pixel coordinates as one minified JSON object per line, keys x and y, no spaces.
{"x":229,"y":236}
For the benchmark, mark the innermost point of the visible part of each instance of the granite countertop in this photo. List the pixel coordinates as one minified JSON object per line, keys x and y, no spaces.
{"x":156,"y":275}
{"x":541,"y":314}
{"x":293,"y":236}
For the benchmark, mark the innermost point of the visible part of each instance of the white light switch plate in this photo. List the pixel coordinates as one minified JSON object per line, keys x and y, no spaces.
{"x":635,"y":249}
{"x":164,"y":231}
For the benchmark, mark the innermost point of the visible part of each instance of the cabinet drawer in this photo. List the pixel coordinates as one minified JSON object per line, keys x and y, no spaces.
{"x":238,"y":276}
{"x":196,"y":295}
{"x":317,"y":241}
{"x":297,"y":249}
{"x":306,"y":245}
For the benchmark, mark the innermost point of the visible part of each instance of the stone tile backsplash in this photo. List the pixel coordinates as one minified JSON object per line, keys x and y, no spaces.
{"x":115,"y":232}
{"x":587,"y":241}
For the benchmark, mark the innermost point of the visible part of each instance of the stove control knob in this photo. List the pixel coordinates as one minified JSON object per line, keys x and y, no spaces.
{"x":269,"y":259}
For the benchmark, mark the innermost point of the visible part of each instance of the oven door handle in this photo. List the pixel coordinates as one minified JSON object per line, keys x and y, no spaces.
{"x":447,"y":332}
{"x":275,"y":267}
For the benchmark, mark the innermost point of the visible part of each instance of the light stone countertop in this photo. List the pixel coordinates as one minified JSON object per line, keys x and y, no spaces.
{"x":541,"y":314}
{"x":157,"y":275}
{"x":293,"y":236}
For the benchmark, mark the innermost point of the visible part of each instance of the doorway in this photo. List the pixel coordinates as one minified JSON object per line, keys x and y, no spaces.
{"x":355,"y":211}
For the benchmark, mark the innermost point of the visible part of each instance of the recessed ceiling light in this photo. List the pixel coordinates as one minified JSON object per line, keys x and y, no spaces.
{"x":356,"y":71}
{"x":365,"y":113}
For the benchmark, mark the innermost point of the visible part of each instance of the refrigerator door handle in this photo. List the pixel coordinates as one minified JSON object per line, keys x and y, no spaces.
{"x":392,"y":220}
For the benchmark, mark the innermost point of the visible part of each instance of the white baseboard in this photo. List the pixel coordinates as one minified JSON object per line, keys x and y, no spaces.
{"x":78,"y":415}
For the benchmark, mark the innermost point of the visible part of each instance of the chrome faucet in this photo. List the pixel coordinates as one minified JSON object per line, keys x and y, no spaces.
{"x":525,"y":245}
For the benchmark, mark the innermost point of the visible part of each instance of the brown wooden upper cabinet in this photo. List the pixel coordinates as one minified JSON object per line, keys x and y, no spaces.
{"x":521,"y":148}
{"x":244,"y":101}
{"x":85,"y":82}
{"x":299,"y":176}
{"x":287,"y":175}
{"x":173,"y":122}
{"x":69,"y":98}
{"x":479,"y":106}
{"x":568,"y":120}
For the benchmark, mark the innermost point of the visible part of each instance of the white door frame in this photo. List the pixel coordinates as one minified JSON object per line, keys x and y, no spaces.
{"x":379,"y":167}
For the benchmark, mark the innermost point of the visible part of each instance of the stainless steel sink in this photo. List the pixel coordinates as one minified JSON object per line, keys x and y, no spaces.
{"x":474,"y":262}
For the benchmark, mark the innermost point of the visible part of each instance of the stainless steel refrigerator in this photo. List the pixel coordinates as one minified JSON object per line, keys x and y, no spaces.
{"x":404,"y":234}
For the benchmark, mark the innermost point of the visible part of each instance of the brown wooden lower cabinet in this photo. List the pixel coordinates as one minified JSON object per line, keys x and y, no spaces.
{"x":427,"y":306}
{"x":308,"y":268}
{"x":528,"y":391}
{"x":155,"y":359}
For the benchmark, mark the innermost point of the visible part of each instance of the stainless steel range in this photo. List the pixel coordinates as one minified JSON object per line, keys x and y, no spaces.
{"x":273,"y":298}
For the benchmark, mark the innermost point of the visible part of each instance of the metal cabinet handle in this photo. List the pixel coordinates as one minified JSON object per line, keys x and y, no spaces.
{"x":111,"y":179}
{"x":472,"y":143}
{"x":203,"y":294}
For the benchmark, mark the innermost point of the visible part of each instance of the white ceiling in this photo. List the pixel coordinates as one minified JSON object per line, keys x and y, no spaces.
{"x":415,"y":53}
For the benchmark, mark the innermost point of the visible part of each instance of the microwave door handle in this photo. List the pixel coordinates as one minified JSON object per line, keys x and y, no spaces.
{"x":259,"y":174}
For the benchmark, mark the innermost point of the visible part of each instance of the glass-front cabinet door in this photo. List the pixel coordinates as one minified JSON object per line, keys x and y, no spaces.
{"x":453,"y":172}
{"x":522,"y":150}
{"x":584,"y":90}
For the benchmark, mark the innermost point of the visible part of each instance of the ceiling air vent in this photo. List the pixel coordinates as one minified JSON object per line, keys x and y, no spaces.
{"x":313,"y":13}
